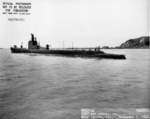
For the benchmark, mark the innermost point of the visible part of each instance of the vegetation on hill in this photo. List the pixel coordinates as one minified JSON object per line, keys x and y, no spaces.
{"x":141,"y":42}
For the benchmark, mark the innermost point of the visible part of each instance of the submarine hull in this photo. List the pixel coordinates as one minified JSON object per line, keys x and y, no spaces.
{"x":66,"y":52}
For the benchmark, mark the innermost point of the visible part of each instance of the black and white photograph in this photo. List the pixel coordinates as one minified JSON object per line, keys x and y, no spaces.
{"x":74,"y":59}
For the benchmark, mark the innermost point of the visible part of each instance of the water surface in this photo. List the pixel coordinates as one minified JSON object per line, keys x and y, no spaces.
{"x":36,"y":86}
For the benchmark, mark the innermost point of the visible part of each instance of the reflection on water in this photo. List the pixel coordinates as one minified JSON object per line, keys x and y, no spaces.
{"x":36,"y":86}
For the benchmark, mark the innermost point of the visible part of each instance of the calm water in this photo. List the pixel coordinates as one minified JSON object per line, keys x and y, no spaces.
{"x":50,"y":87}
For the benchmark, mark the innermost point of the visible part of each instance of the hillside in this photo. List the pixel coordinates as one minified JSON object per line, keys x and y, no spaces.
{"x":141,"y":42}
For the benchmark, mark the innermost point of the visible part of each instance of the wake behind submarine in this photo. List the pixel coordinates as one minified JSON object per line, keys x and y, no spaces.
{"x":34,"y":47}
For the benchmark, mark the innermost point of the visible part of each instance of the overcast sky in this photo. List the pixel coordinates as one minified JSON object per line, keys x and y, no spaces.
{"x":85,"y":23}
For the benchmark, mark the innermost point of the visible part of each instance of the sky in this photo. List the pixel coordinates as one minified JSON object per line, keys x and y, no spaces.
{"x":81,"y":23}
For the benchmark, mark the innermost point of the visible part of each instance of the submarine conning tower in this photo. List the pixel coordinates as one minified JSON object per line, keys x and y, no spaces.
{"x":33,"y":44}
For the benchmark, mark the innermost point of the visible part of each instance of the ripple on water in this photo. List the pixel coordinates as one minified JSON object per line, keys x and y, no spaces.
{"x":45,"y":87}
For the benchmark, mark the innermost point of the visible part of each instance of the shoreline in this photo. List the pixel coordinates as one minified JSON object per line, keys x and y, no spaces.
{"x":126,"y":48}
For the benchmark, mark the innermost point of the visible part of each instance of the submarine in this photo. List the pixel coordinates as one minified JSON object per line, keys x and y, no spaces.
{"x":34,"y":47}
